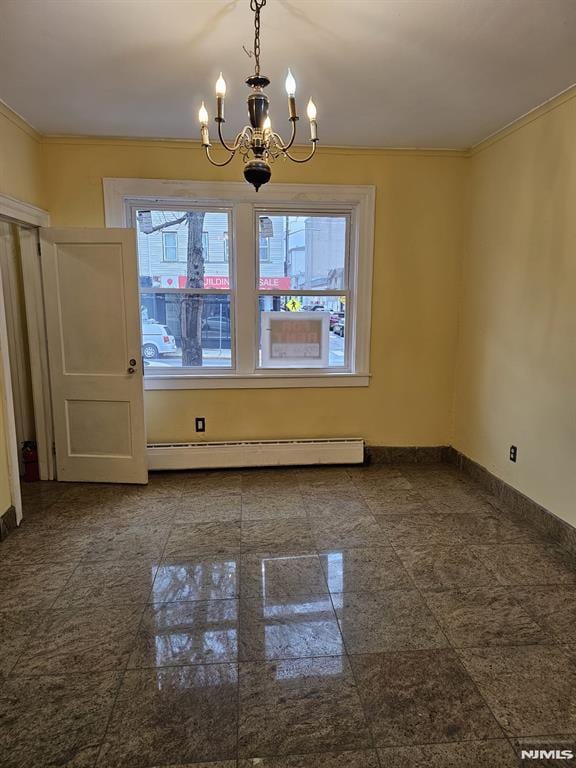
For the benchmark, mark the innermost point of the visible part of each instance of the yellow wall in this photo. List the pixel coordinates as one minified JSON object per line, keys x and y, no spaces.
{"x":20,"y":159}
{"x":418,"y":243}
{"x":480,"y":248}
{"x":516,"y":381}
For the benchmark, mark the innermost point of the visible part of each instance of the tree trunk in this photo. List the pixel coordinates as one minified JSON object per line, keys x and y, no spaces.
{"x":191,"y":306}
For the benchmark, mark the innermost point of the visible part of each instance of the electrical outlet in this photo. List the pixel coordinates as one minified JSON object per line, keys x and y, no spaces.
{"x":513,"y":453}
{"x":200,"y":424}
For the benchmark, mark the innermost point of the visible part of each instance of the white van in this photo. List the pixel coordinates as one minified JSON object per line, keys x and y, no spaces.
{"x":156,"y":340}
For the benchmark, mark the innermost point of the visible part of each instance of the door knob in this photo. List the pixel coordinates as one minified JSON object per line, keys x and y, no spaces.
{"x":132,"y":361}
{"x":131,"y":370}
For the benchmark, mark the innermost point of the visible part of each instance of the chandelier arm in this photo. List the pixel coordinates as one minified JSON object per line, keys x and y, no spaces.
{"x":236,"y":144}
{"x":280,"y":141}
{"x":214,"y":162}
{"x":302,"y":159}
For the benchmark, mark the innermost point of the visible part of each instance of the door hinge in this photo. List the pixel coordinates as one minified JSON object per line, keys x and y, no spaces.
{"x":54,"y":449}
{"x":39,"y":248}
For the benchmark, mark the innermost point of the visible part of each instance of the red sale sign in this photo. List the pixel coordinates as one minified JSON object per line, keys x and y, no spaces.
{"x":217,"y":282}
{"x":275,"y":283}
{"x":265,"y":284}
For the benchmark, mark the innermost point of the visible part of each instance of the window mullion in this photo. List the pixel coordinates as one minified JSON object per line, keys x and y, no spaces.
{"x":245,"y":306}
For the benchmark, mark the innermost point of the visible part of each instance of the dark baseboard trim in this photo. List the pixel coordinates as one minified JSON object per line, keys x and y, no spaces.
{"x":7,"y":523}
{"x":513,"y":501}
{"x":380,"y":454}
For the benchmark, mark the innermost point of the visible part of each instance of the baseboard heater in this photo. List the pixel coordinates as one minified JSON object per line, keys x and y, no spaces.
{"x":251,"y":453}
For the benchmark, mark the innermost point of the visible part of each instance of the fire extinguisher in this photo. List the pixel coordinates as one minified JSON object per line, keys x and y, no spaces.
{"x":30,"y":460}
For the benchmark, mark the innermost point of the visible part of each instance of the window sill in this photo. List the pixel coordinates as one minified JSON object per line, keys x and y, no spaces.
{"x":257,"y":381}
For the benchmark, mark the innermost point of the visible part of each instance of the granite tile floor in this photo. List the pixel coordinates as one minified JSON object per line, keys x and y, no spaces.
{"x":328,"y":617}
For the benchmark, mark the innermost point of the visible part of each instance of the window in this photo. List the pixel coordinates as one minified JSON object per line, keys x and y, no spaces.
{"x":185,"y":307}
{"x":277,"y":294}
{"x":170,"y":245}
{"x":303,"y":274}
{"x":264,"y":249}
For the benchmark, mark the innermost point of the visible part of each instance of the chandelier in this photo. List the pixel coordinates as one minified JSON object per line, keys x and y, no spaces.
{"x":257,"y":144}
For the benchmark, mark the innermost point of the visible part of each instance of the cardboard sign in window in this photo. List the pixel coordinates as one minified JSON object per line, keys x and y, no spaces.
{"x":295,"y":339}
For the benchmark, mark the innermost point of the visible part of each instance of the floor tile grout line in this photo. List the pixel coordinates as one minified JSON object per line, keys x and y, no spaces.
{"x":474,"y":740}
{"x":38,"y":629}
{"x":120,"y":682}
{"x":417,"y":588}
{"x":49,"y":609}
{"x":357,"y":686}
{"x":123,"y":671}
{"x":467,"y":588}
{"x":459,"y":661}
{"x":468,"y":675}
{"x":238,"y":635}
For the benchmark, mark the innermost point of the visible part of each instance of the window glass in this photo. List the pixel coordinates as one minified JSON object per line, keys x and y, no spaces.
{"x":298,"y":311}
{"x":198,"y":237}
{"x":302,"y":252}
{"x":308,"y":345}
{"x":264,"y":249}
{"x":170,"y":246}
{"x":185,"y":330}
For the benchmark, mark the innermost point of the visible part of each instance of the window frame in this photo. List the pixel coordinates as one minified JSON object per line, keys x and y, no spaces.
{"x":123,"y":197}
{"x":347,"y":290}
{"x":205,"y":370}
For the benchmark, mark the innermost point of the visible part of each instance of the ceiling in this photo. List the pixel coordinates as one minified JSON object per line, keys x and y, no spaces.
{"x":387,"y":73}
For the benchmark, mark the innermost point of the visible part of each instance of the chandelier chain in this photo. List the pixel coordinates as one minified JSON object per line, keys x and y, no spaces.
{"x":257,"y":144}
{"x":256,"y":6}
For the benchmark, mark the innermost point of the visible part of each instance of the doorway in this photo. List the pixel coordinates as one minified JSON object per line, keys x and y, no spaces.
{"x":17,"y":425}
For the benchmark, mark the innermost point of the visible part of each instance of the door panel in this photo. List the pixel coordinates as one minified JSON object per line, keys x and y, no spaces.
{"x":93,"y":322}
{"x":99,"y":428}
{"x":96,"y":275}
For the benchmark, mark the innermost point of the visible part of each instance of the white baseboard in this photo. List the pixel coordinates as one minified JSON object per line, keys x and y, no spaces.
{"x":264,"y":453}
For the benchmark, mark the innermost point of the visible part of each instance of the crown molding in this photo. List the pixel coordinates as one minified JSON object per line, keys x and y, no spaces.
{"x":18,"y":121}
{"x":185,"y":143}
{"x":529,"y":117}
{"x":153,"y":142}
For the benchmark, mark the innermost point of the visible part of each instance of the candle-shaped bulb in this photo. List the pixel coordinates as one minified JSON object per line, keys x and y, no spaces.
{"x":311,"y":110}
{"x":290,"y":84}
{"x":203,"y":115}
{"x":221,"y":86}
{"x":267,"y":124}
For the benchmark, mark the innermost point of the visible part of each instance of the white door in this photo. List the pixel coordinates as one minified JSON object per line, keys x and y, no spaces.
{"x":90,"y":279}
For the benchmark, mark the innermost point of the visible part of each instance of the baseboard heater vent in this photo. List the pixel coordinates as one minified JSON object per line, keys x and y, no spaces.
{"x":251,"y":453}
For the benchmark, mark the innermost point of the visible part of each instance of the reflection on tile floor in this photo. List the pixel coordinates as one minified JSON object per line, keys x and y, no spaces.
{"x":288,"y":618}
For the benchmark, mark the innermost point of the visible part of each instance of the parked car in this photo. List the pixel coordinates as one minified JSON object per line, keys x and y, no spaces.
{"x":339,"y":327}
{"x":335,"y":318}
{"x":216,"y":332}
{"x":156,"y":341}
